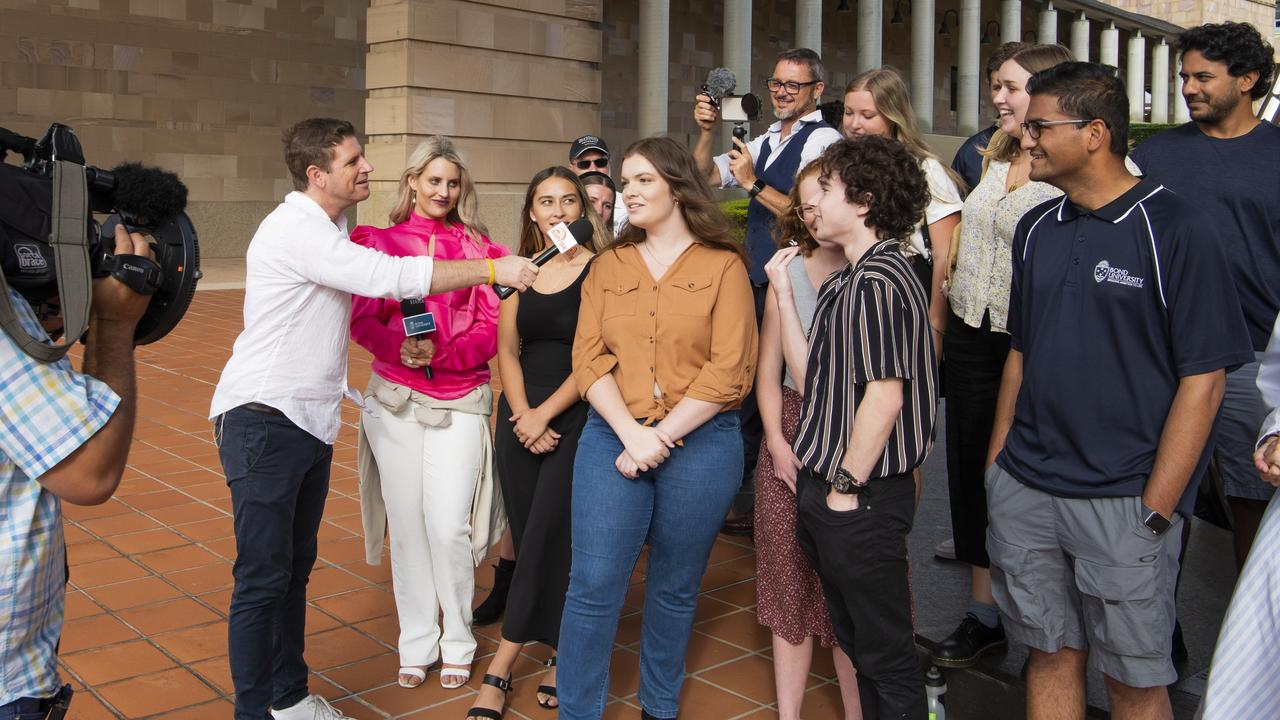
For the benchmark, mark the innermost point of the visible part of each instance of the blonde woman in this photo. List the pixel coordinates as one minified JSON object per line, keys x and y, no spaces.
{"x":877,"y":103}
{"x":427,"y":417}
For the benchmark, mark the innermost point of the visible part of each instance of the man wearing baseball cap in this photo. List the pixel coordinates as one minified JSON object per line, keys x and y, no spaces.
{"x":590,"y":154}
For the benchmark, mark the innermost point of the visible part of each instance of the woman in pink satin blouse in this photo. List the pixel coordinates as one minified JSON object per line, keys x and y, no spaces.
{"x":426,"y":416}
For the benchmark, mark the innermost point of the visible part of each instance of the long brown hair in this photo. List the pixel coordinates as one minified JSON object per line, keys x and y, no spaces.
{"x":789,"y":228}
{"x":889,"y":93}
{"x":696,"y":203}
{"x":531,"y":239}
{"x":464,"y":213}
{"x":1033,"y":58}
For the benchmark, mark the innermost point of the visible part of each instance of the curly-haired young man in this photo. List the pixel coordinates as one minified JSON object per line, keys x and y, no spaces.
{"x":1228,"y":163}
{"x":870,"y":404}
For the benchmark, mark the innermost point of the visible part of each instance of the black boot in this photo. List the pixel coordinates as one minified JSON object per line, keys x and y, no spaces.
{"x":490,"y":611}
{"x":968,"y":643}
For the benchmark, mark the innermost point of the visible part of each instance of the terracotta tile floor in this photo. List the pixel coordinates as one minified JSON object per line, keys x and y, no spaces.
{"x":151,"y":580}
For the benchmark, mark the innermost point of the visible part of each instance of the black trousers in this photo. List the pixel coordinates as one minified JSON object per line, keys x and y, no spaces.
{"x":975,"y":362}
{"x":861,"y":559}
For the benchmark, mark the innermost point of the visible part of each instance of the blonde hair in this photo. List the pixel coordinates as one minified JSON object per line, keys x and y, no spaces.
{"x":889,"y":93}
{"x":1033,"y":58}
{"x":465,"y":213}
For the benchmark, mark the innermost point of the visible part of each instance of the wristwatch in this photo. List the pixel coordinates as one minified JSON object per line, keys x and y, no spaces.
{"x":756,"y":188}
{"x":846,"y":484}
{"x":1155,"y":522}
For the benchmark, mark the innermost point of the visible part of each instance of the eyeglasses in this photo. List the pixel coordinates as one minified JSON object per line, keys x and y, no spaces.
{"x":804,"y":212}
{"x":600,"y":163}
{"x":1033,"y":128}
{"x":792,"y":87}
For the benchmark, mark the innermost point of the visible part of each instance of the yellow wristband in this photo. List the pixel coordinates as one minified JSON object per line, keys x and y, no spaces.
{"x":490,"y":263}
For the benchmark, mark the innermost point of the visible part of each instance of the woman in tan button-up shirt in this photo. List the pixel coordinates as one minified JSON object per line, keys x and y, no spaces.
{"x":664,"y":354}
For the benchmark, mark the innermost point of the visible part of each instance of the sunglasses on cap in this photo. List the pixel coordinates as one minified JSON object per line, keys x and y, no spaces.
{"x":600,"y":163}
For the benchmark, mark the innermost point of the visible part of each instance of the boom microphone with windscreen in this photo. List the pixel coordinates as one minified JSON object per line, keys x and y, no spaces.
{"x":563,"y":239}
{"x":720,"y":82}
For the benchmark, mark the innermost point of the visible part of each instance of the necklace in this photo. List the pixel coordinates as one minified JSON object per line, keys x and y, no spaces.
{"x":653,"y":256}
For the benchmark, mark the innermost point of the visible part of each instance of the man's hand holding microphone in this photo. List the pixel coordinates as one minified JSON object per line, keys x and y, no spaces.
{"x":514,"y":271}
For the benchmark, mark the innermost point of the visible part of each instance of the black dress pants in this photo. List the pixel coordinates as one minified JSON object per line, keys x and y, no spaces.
{"x":975,"y":363}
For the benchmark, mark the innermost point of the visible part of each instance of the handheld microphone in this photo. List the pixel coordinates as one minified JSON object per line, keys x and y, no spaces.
{"x":563,"y":238}
{"x":418,"y":322}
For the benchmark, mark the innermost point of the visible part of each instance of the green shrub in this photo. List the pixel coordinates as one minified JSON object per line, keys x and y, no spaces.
{"x":1141,"y":131}
{"x":736,"y":211}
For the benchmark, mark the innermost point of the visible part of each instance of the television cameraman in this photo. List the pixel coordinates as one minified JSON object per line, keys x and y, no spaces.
{"x":64,"y":435}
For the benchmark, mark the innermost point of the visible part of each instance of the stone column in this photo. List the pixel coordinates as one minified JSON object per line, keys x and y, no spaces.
{"x":1048,"y":24}
{"x":1109,"y":46}
{"x":1160,"y":82}
{"x":489,"y":92}
{"x":1180,"y":112}
{"x":1010,"y":20}
{"x":968,"y":67}
{"x":655,"y":63}
{"x":737,"y":41}
{"x":870,"y":34}
{"x":1136,"y":77}
{"x":922,"y":61}
{"x":1080,"y":37}
{"x":809,"y":24}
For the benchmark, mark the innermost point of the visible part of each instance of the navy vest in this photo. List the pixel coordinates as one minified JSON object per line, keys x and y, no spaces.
{"x":780,"y":176}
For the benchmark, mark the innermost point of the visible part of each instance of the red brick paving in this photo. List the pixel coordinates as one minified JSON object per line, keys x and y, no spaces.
{"x":151,"y":574}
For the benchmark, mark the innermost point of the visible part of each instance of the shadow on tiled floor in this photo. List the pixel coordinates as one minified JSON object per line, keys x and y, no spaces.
{"x":151,"y":577}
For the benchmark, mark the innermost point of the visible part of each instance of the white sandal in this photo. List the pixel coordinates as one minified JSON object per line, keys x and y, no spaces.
{"x":454,"y":672}
{"x":419,"y":674}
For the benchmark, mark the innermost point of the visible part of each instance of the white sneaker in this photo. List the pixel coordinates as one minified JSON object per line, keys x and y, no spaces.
{"x":946,"y":550}
{"x":312,"y":707}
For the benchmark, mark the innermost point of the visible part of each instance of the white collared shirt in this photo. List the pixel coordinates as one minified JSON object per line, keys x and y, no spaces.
{"x":813,"y":147}
{"x":1269,"y":385}
{"x":301,"y":271}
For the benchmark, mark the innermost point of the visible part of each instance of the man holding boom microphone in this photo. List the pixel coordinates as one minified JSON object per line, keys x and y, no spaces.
{"x":276,"y":407}
{"x":766,"y":168}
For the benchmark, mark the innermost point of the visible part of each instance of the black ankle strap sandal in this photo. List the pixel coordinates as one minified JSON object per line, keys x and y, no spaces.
{"x":548,"y":690}
{"x":503,"y":684}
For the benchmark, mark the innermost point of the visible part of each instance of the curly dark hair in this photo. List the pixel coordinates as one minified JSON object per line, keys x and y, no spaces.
{"x":1239,"y":45}
{"x":883,"y":175}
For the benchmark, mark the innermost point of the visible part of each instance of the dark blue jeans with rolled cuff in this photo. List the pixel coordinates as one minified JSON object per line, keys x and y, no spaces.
{"x":677,"y":508}
{"x":279,"y":477}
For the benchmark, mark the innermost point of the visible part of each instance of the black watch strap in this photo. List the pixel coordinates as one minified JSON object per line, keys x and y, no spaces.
{"x":756,"y":188}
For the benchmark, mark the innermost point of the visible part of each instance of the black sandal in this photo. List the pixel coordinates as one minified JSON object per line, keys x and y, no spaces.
{"x":501,"y":684}
{"x":548,"y":689}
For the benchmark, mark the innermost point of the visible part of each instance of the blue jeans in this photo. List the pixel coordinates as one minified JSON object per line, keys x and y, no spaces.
{"x":279,"y":478}
{"x":677,"y":508}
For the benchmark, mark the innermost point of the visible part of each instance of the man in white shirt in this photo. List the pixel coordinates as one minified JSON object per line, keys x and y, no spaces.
{"x":1246,"y":663}
{"x":276,"y":407}
{"x":766,"y":166}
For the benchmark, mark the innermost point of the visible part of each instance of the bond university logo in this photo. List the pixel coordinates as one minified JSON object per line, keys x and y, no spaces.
{"x":1103,"y":272}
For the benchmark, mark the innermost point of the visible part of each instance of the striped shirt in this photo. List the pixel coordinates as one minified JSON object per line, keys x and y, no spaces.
{"x":871,"y":323}
{"x":47,"y":410}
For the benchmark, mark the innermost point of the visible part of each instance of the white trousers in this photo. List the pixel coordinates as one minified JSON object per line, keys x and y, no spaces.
{"x":429,"y":478}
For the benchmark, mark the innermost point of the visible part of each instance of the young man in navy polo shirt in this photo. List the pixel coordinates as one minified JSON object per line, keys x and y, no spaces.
{"x":1123,"y":318}
{"x":1229,"y":161}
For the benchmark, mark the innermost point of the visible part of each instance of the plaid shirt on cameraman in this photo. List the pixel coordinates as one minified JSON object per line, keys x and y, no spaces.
{"x":46,"y":412}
